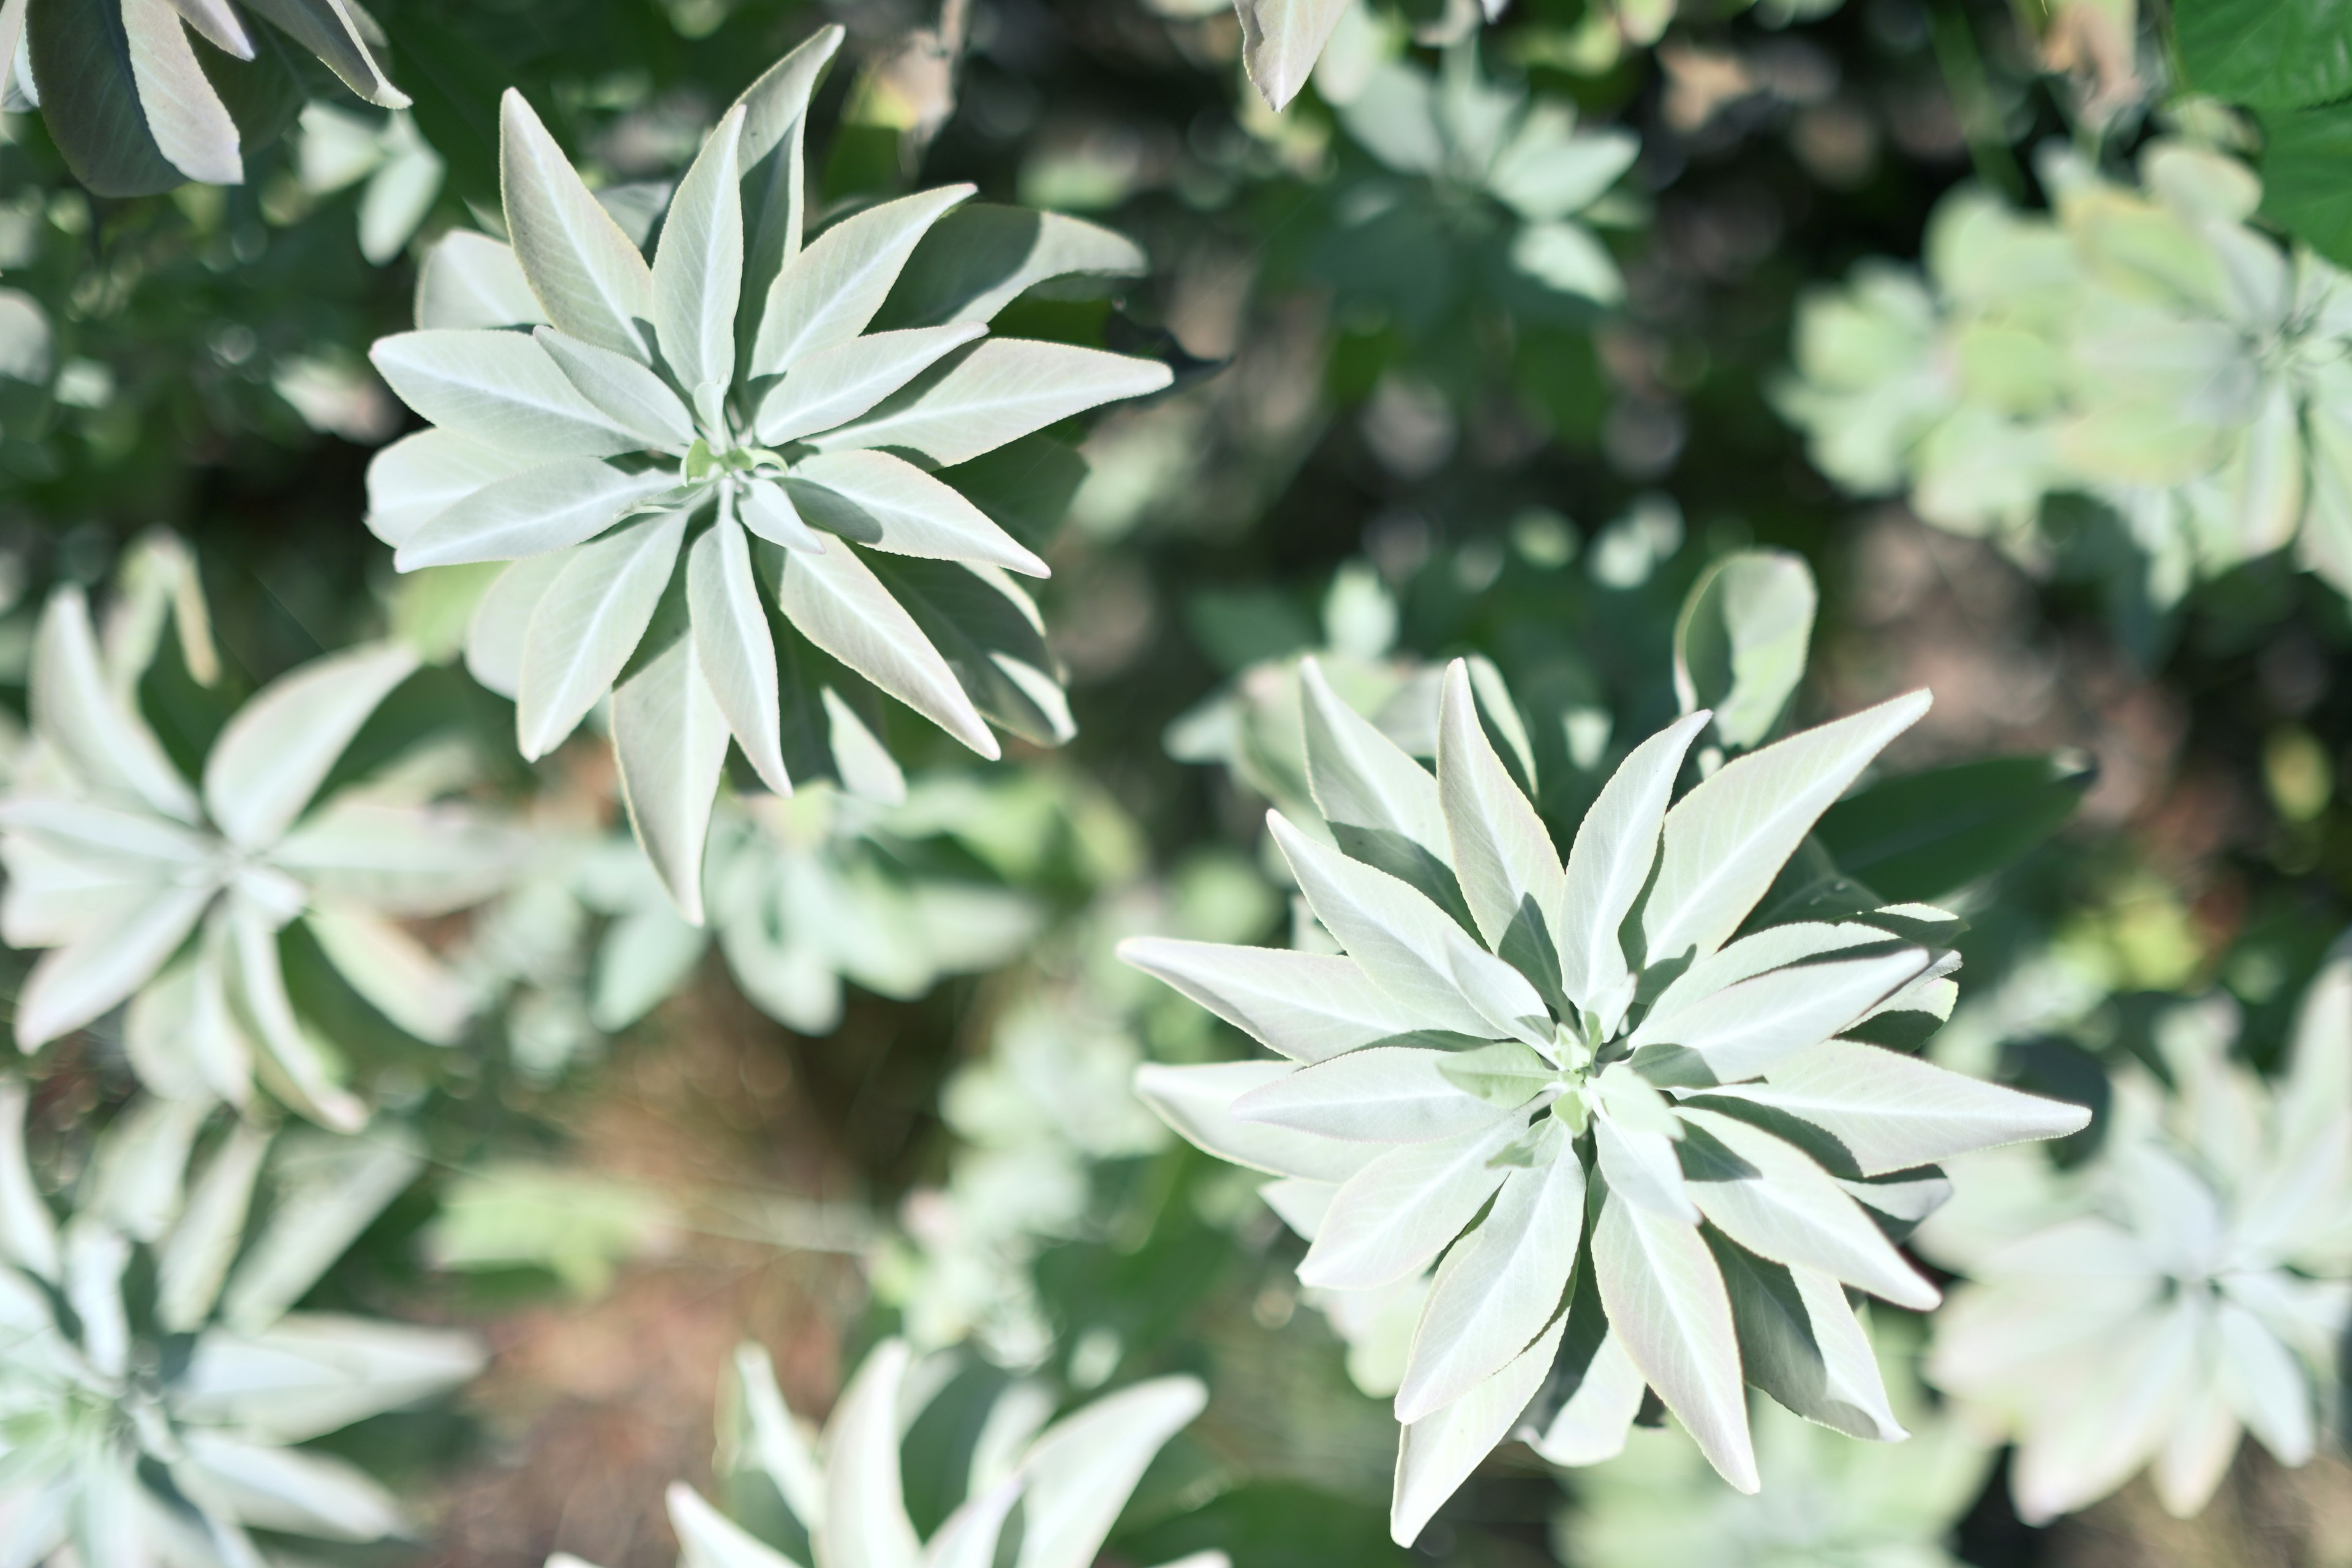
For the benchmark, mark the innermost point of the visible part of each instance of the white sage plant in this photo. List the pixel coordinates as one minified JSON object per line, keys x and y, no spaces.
{"x":1649,"y":1147}
{"x":668,"y":451}
{"x":134,"y":107}
{"x":845,"y":1491}
{"x":169,"y":894}
{"x":156,"y":1390}
{"x":2191,"y":1284}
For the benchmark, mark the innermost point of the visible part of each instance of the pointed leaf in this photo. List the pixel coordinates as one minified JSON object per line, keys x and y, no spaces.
{"x":1724,"y":842}
{"x":396,"y":974}
{"x":1641,"y":1168}
{"x":299,"y":1068}
{"x":101,"y":737}
{"x":1197,"y":1101}
{"x":1388,"y":1094}
{"x":1082,"y":1469}
{"x":1799,"y":1341}
{"x":709,"y":1538}
{"x":29,"y":1234}
{"x":733,"y":647}
{"x":329,"y":30}
{"x":887,"y":503}
{"x":499,"y":389}
{"x":698,"y":265}
{"x":1509,"y":872}
{"x":1753,"y":1025}
{"x":95,"y":119}
{"x":670,"y":736}
{"x":832,"y":385}
{"x":421,"y":476}
{"x":296,"y":1490}
{"x":1497,"y":1288}
{"x":591,"y":282}
{"x":1281,"y":40}
{"x":80,"y":982}
{"x":1391,"y":1218}
{"x":1666,"y":1299}
{"x":588,"y":623}
{"x":980,"y":257}
{"x":1741,"y":640}
{"x":997,"y":390}
{"x":278,"y":751}
{"x":469,"y":280}
{"x":865,"y":1523}
{"x":766,"y":509}
{"x":1308,"y":1005}
{"x":195,"y":1260}
{"x":1436,"y":1453}
{"x":835,"y":601}
{"x":622,"y":390}
{"x":827,"y":293}
{"x":1615,"y":847}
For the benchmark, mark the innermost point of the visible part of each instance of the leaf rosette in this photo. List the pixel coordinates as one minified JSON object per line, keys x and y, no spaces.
{"x":2191,"y":1284}
{"x":1654,"y":1139}
{"x":715,"y":473}
{"x":157,"y":1391}
{"x":173,"y":896}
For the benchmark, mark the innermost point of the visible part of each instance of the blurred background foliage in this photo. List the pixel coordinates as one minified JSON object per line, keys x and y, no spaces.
{"x":1402,"y":430}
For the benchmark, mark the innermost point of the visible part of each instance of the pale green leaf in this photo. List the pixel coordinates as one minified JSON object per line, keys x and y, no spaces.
{"x":996,"y":391}
{"x":1381,"y":805}
{"x":1640,"y":1165}
{"x":590,"y":280}
{"x":834,"y":385}
{"x":469,"y":280}
{"x":1197,"y":1101}
{"x":195,"y":1257}
{"x":980,"y":257}
{"x":829,"y":292}
{"x":1741,"y":640}
{"x":865,"y":1523}
{"x":137,"y":1167}
{"x":330,"y":31}
{"x":28,"y":1235}
{"x":709,"y":1538}
{"x":1308,"y":1005}
{"x":1499,"y":1286}
{"x":291,"y":1061}
{"x":309,"y":1373}
{"x":1436,"y":1453}
{"x":296,"y":1490}
{"x":1665,"y":1301}
{"x":421,"y":476}
{"x":399,"y":976}
{"x":766,"y":509}
{"x":1724,"y":842}
{"x":499,"y":389}
{"x":698,"y":268}
{"x":407,"y":860}
{"x":1081,"y":1470}
{"x":670,"y":736}
{"x":1280,"y":42}
{"x":1388,"y":1094}
{"x":1751,"y":1027}
{"x":624,"y":390}
{"x":80,"y":983}
{"x":835,"y":601}
{"x":279,"y":749}
{"x":1509,"y":872}
{"x":500,"y":628}
{"x":99,"y":735}
{"x":887,"y":503}
{"x":330,"y":1190}
{"x":1393,"y":1217}
{"x":191,"y":126}
{"x":587,"y":624}
{"x":736,"y":653}
{"x":1616,"y":845}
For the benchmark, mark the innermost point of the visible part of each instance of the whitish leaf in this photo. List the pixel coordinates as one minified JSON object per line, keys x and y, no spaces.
{"x":590,"y":279}
{"x":587,"y":624}
{"x":865,"y":1523}
{"x":887,"y":503}
{"x":1777,"y":1203}
{"x":217,"y":21}
{"x":76,"y":709}
{"x":834,"y":385}
{"x":421,"y":476}
{"x":1082,"y":1469}
{"x":469,"y":280}
{"x":81,"y":982}
{"x":126,"y":848}
{"x":496,"y":635}
{"x":195,"y":1260}
{"x":709,"y":1538}
{"x":766,"y":509}
{"x":1724,"y":842}
{"x":980,"y":257}
{"x":1549,"y":171}
{"x":1436,"y":1453}
{"x":499,"y":389}
{"x":1741,"y":640}
{"x":183,"y":1034}
{"x":670,"y":736}
{"x":828,"y":293}
{"x":1615,"y":847}
{"x":973,"y":1533}
{"x":1396,"y":1214}
{"x":997,"y":390}
{"x":2319,"y":1062}
{"x":399,"y":976}
{"x":1591,"y":1426}
{"x":1641,"y":1168}
{"x":273,"y":756}
{"x":1197,"y":1101}
{"x":295,"y":1490}
{"x":835,"y":601}
{"x":28,"y":1235}
{"x":734,"y":648}
{"x":698,"y":264}
{"x":2264,"y":1385}
{"x":645,"y":956}
{"x":1308,"y":1005}
{"x":1666,"y":1299}
{"x":1411,"y":948}
{"x":1498,"y":1287}
{"x":1799,"y":1341}
{"x":988,"y":630}
{"x":191,"y":126}
{"x":298,"y":1068}
{"x":1381,"y":805}
{"x":330,"y":1189}
{"x":313,"y":1373}
{"x":1891,"y":1112}
{"x":624,"y":390}
{"x":2124,"y":1404}
{"x":1751,"y":1027}
{"x":1281,"y":40}
{"x":330,"y":31}
{"x":400,"y":859}
{"x":1509,"y":872}
{"x":136,"y":1172}
{"x":771,"y":1439}
{"x":99,"y":126}
{"x":1389,"y":1094}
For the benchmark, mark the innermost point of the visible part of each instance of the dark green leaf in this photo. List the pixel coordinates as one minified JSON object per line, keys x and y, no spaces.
{"x":90,"y":99}
{"x":2271,"y":53}
{"x":1923,"y":836}
{"x":2307,"y":177}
